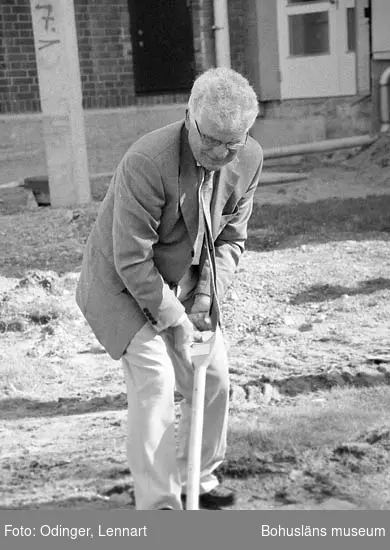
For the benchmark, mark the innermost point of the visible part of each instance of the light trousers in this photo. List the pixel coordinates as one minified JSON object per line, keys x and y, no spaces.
{"x":157,"y":453}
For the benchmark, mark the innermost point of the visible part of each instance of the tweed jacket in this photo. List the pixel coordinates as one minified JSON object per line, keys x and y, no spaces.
{"x":143,"y":238}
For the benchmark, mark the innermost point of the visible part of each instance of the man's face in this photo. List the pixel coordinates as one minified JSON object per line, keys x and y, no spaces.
{"x":212,"y":147}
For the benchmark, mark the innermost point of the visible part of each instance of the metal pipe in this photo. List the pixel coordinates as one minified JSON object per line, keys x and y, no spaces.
{"x":384,"y":100}
{"x":221,"y":33}
{"x":101,"y":175}
{"x":318,"y":146}
{"x":21,"y":182}
{"x":276,"y":152}
{"x":11,"y":184}
{"x":268,"y":178}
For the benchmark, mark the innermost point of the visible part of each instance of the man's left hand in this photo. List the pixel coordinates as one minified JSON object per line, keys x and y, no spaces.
{"x":201,"y":321}
{"x":199,"y":314}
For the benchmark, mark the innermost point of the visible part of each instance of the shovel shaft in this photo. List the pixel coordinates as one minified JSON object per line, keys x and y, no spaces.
{"x":195,"y":442}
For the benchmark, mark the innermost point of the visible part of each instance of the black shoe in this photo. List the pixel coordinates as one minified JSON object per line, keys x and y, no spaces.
{"x":164,"y":508}
{"x":215,"y":499}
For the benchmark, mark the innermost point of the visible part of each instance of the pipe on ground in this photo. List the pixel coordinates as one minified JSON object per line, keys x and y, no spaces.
{"x":276,"y":152}
{"x":318,"y":146}
{"x":298,"y":149}
{"x":12,"y":184}
{"x":384,"y":100}
{"x":267,"y":178}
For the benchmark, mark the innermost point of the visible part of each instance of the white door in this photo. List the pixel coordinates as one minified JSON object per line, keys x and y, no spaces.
{"x":317,"y":48}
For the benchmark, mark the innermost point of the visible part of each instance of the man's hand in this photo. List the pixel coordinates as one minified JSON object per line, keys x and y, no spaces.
{"x":187,"y":329}
{"x":199,"y":314}
{"x":184,"y":335}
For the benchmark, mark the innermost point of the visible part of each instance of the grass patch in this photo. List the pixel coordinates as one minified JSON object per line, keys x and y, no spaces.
{"x":334,"y":446}
{"x":339,"y":416}
{"x":271,"y":224}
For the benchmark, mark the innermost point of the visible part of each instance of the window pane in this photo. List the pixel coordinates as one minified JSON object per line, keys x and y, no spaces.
{"x":351,"y":30}
{"x":309,"y":33}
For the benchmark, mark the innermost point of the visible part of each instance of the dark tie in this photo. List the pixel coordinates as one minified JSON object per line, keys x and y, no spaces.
{"x":204,"y":200}
{"x":205,"y":215}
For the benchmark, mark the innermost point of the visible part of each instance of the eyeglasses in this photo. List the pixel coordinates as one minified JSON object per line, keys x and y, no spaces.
{"x":210,"y":142}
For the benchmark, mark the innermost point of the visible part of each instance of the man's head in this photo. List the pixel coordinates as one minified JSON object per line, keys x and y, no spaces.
{"x":221,"y":110}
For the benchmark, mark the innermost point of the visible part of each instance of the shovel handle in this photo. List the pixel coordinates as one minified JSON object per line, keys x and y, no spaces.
{"x":202,"y":355}
{"x":195,"y":442}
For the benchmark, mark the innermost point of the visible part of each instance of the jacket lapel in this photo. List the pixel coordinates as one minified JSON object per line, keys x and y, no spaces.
{"x":188,"y":187}
{"x":225,"y":184}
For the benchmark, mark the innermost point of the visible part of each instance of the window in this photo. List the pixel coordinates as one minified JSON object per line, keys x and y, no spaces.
{"x":309,"y":33}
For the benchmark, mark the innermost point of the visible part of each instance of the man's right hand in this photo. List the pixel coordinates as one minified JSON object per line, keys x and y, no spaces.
{"x":184,"y":335}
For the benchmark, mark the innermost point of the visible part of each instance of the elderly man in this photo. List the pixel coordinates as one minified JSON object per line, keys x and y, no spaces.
{"x":159,"y":259}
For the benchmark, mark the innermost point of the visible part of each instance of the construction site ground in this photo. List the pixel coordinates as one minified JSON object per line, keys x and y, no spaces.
{"x":307,"y":321}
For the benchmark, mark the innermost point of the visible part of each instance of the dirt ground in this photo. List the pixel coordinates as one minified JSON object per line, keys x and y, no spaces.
{"x":307,"y":322}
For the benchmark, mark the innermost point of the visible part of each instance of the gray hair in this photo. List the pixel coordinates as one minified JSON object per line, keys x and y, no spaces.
{"x":226,"y":98}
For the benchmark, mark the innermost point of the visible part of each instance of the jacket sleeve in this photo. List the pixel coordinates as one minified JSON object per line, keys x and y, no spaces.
{"x":230,"y":243}
{"x":139,"y":200}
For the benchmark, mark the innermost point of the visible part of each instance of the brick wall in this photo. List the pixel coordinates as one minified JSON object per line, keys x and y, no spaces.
{"x":105,"y":52}
{"x":18,"y":72}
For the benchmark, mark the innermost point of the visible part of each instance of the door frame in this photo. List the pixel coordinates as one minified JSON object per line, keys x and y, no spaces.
{"x":140,"y":85}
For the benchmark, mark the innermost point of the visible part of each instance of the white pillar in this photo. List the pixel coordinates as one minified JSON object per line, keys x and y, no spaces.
{"x":61,"y":101}
{"x":221,"y":31}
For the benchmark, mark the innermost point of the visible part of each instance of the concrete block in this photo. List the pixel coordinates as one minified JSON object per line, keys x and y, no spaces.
{"x":109,"y":133}
{"x":22,"y":148}
{"x":289,"y":131}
